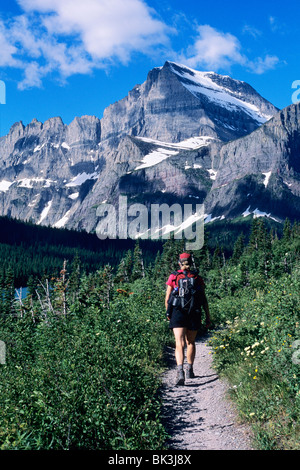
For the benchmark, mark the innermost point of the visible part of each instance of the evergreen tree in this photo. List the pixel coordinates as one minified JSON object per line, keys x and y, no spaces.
{"x":216,"y":260}
{"x":238,"y":249}
{"x":254,"y":235}
{"x":138,"y":270}
{"x":157,"y":266}
{"x":9,"y":290}
{"x":128,"y":266}
{"x":74,"y":279}
{"x":287,"y":230}
{"x":202,"y":256}
{"x":106,"y":284}
{"x":170,"y":255}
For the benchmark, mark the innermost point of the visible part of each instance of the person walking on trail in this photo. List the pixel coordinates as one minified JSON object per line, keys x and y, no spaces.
{"x":185,"y":296}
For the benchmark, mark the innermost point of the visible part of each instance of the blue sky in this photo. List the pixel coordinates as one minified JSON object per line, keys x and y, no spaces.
{"x":69,"y":58}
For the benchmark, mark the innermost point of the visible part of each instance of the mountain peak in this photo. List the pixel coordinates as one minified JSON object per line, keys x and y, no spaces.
{"x":224,"y":91}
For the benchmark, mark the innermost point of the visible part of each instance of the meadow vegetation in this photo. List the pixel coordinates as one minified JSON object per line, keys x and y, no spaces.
{"x":85,"y":350}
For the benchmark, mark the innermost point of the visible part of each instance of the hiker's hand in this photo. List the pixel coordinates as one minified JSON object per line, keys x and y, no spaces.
{"x":208,"y":323}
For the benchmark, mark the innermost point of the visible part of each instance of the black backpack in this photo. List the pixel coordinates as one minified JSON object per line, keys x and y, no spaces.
{"x":183,"y":295}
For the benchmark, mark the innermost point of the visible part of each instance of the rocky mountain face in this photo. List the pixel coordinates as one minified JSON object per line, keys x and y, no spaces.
{"x":182,"y":136}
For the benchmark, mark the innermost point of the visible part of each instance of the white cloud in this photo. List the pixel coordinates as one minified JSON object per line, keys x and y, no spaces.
{"x":215,"y":50}
{"x":7,"y":49}
{"x":260,"y":66}
{"x":74,"y":36}
{"x":254,"y":32}
{"x":66,"y":37}
{"x":106,"y":28}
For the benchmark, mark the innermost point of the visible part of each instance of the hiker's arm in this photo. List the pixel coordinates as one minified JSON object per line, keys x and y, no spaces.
{"x":168,"y":293}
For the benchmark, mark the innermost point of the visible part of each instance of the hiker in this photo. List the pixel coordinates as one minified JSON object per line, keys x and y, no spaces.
{"x":184,"y":297}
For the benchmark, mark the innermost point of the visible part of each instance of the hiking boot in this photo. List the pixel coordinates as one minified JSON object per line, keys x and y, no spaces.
{"x":190,"y":373}
{"x":180,"y":377}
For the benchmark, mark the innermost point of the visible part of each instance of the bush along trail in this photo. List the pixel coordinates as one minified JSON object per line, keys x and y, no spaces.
{"x":86,"y":354}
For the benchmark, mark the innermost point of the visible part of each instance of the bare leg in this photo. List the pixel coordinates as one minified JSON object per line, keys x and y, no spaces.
{"x":180,"y":334}
{"x":191,"y":347}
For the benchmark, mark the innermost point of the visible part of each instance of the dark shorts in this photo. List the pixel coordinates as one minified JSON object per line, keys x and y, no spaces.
{"x":179,"y":319}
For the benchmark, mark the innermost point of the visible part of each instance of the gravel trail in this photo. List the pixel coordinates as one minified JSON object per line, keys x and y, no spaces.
{"x":199,"y":415}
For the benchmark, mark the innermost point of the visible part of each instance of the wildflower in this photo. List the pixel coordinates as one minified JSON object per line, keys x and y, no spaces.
{"x":254,"y":378}
{"x":251,"y":414}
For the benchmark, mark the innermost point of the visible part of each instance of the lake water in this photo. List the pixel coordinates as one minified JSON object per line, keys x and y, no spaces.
{"x":22,"y":290}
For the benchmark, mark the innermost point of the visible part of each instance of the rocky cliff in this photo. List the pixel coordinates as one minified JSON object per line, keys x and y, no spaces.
{"x":182,"y":135}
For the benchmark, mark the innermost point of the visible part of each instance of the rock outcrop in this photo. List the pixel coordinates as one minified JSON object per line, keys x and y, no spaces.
{"x":182,"y":136}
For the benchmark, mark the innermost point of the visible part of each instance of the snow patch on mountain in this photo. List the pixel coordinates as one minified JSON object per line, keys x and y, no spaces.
{"x":267,"y":177}
{"x":201,"y":82}
{"x":258,"y":213}
{"x":62,"y":222}
{"x":5,"y":185}
{"x":212,"y":174}
{"x":165,"y":149}
{"x":82,"y":178}
{"x":155,"y":157}
{"x":28,"y":182}
{"x":191,"y":143}
{"x":45,"y":212}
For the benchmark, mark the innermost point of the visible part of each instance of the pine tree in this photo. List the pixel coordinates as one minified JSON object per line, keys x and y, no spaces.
{"x":107,"y":284}
{"x":202,"y":256}
{"x":287,"y":230}
{"x":157,"y":266}
{"x":74,"y":279}
{"x":170,"y":255}
{"x":138,"y":270}
{"x":216,"y":261}
{"x":253,"y":240}
{"x":9,"y":290}
{"x":238,"y":249}
{"x":128,"y":266}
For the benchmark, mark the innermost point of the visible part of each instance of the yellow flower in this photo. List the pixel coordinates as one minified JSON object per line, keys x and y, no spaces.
{"x":254,"y":377}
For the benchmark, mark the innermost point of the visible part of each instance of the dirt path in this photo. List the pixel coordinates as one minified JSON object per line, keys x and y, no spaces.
{"x":198,"y":415}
